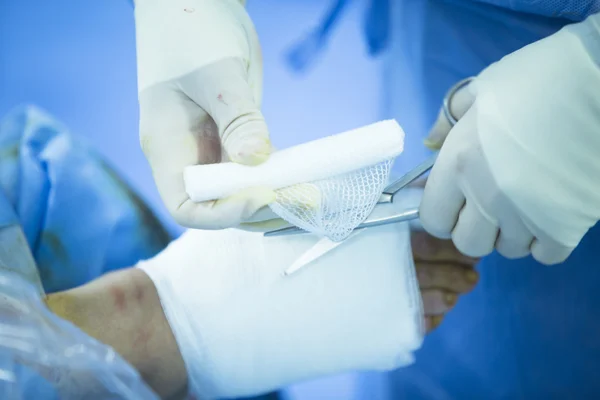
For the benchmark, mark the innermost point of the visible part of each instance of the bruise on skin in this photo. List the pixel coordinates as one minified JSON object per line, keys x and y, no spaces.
{"x":119,"y":294}
{"x":119,"y":299}
{"x":139,"y":292}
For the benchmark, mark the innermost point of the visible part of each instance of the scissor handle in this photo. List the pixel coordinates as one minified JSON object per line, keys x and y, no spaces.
{"x":447,"y":104}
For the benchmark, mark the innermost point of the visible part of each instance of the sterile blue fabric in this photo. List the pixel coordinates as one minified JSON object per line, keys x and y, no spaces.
{"x":574,"y":10}
{"x":79,"y":217}
{"x":377,"y":29}
{"x":527,"y":330}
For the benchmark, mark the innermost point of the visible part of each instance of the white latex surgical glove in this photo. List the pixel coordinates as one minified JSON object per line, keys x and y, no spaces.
{"x":244,"y":329}
{"x":199,"y":83}
{"x":520,"y":170}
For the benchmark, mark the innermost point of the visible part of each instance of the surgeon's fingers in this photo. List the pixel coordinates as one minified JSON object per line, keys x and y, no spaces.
{"x":265,"y":225}
{"x":174,"y":134}
{"x":459,"y":105}
{"x":441,"y":205}
{"x":263,"y":220}
{"x":549,"y":252}
{"x":223,"y":91}
{"x":443,"y":198}
{"x":227,"y":212}
{"x":474,"y":234}
{"x":515,"y":239}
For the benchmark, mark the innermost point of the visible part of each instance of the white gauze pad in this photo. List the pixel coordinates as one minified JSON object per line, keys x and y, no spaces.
{"x":327,"y":186}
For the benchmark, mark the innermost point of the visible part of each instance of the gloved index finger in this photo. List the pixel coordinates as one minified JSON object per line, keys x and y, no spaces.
{"x":222,"y":90}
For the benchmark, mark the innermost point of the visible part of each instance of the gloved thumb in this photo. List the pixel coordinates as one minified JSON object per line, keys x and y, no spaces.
{"x":223,"y":90}
{"x":459,"y":104}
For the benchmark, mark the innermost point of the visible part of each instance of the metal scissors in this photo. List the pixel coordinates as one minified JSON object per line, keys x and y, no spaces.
{"x":388,"y":196}
{"x":390,"y":192}
{"x":325,"y":245}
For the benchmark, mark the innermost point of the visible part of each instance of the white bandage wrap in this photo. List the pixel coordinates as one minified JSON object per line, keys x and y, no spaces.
{"x":244,"y":329}
{"x":559,"y":146}
{"x":330,"y":185}
{"x":172,"y":39}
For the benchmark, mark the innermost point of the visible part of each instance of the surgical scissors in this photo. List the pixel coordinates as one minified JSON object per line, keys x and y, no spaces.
{"x":390,"y":192}
{"x":388,"y":195}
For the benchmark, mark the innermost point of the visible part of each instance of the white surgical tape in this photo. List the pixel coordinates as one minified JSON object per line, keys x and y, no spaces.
{"x":244,"y":329}
{"x":177,"y":37}
{"x":327,"y":186}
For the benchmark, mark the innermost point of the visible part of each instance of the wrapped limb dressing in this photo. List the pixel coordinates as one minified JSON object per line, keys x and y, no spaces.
{"x":244,"y":329}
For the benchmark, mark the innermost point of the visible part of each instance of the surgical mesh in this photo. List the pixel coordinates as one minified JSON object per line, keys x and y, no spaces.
{"x":333,"y":207}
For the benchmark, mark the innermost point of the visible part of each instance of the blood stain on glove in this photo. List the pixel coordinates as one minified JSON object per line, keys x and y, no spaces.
{"x":220,"y":98}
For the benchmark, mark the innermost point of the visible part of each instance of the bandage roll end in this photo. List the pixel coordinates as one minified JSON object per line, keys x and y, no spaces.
{"x":308,"y":162}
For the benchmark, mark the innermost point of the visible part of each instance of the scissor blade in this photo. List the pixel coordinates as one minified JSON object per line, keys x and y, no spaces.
{"x":321,"y":248}
{"x":402,"y":216}
{"x":290,"y":230}
{"x":407,"y":179}
{"x":370,"y":222}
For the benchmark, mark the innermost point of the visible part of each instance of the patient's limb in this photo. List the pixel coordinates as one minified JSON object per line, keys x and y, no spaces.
{"x":444,"y":273}
{"x":122,"y":309}
{"x":242,"y":328}
{"x":229,"y":308}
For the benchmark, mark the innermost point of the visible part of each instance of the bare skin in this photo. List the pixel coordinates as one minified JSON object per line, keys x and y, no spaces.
{"x":122,"y":309}
{"x":444,"y":274}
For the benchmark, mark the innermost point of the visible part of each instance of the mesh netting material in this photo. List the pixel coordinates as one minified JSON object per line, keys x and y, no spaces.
{"x":333,"y":207}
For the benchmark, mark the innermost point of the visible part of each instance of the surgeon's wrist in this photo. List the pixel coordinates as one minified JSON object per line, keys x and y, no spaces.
{"x":122,"y":309}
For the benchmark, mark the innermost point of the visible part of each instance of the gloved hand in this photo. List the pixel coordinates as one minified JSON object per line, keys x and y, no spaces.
{"x":519,"y":172}
{"x":200,"y":82}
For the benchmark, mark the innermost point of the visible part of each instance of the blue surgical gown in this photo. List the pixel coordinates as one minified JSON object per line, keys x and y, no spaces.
{"x":526,"y":331}
{"x":79,"y":217}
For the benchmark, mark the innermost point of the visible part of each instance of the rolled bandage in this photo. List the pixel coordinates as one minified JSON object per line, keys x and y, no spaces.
{"x":327,"y":186}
